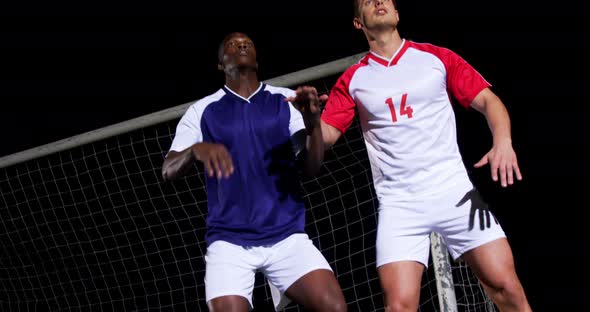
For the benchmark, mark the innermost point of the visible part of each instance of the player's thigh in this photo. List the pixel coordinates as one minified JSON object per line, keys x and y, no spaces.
{"x":493,"y":263}
{"x":230,"y":271}
{"x":403,"y":248}
{"x":231,"y":303}
{"x":316,"y":290}
{"x":466,"y":222}
{"x":401,"y":282}
{"x":297,"y":259}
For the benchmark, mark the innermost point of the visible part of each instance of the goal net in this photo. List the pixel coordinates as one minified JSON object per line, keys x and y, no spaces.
{"x":87,"y":223}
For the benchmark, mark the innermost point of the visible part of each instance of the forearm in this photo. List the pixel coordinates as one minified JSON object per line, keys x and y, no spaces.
{"x":330,"y":135}
{"x":501,"y":157}
{"x":178,"y":163}
{"x":490,"y":105}
{"x":314,"y":156}
{"x":498,"y":121}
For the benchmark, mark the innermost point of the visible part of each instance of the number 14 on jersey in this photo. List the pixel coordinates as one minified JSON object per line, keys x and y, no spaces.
{"x":403,"y":109}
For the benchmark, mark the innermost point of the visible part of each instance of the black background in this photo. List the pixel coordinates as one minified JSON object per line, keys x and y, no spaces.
{"x":68,"y":68}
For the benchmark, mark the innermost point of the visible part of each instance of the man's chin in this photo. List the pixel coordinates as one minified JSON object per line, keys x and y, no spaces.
{"x":382,"y":25}
{"x":246,"y":66}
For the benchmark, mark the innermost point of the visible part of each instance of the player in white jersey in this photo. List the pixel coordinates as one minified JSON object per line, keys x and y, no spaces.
{"x":401,"y":91}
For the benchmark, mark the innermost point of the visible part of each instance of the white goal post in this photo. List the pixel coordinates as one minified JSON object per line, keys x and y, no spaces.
{"x":287,"y":80}
{"x":445,"y":286}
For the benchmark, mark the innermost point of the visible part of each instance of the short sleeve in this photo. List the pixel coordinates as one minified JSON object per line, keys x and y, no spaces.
{"x":340,"y":108}
{"x":296,"y":130}
{"x":463,"y":82}
{"x":188,"y":131}
{"x":296,"y":120}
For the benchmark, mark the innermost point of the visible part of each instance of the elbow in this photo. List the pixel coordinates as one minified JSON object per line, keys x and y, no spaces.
{"x":167,"y":172}
{"x":175,"y":165}
{"x":328,"y":145}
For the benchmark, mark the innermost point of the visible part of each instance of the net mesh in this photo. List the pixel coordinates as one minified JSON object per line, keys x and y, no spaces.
{"x":95,"y":228}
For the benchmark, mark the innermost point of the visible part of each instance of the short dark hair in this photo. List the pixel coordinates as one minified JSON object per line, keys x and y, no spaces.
{"x":357,"y":5}
{"x":357,"y":11}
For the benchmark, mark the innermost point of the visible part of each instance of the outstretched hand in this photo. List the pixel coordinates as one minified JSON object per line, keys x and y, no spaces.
{"x":307,"y":101}
{"x":502,"y":160}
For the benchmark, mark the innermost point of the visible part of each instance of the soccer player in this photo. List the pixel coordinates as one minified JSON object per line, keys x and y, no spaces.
{"x":251,"y":143}
{"x":401,"y":91}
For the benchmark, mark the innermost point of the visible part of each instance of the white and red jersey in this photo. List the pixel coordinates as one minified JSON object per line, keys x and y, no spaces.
{"x":406,"y":116}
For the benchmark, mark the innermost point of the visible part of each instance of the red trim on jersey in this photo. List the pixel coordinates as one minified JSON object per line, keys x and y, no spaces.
{"x":401,"y":52}
{"x":463,"y":82}
{"x":340,"y":108}
{"x":396,"y":58}
{"x":377,"y":59}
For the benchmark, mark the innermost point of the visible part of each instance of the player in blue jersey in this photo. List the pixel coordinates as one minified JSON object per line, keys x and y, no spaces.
{"x":252,"y":143}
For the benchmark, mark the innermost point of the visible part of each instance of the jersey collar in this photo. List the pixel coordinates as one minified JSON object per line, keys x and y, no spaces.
{"x":394,"y":59}
{"x":229,"y":91}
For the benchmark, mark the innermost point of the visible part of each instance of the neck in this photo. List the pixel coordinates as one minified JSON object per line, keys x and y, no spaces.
{"x":384,"y":43}
{"x":243,"y":82}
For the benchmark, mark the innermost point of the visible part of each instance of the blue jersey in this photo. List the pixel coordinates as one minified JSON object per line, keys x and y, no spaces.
{"x":260,"y":203}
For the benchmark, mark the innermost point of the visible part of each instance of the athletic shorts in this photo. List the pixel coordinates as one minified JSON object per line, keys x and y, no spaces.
{"x":459,"y":215}
{"x":230,"y":269}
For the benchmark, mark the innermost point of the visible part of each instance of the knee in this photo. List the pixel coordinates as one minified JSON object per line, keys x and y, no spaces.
{"x":509,"y":290}
{"x":401,"y":303}
{"x":330,"y":303}
{"x":339,"y":306}
{"x":336,"y":305}
{"x":399,"y":306}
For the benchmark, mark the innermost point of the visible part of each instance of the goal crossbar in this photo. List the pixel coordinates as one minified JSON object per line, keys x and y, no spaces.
{"x":287,"y":80}
{"x":442,"y":265}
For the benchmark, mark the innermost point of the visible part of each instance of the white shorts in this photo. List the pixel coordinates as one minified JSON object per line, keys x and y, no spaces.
{"x":231,"y":269}
{"x":459,"y":215}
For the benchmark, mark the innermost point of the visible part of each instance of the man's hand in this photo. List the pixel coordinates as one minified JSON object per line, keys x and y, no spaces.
{"x":307,"y":101}
{"x":215,"y":158}
{"x":502,"y":158}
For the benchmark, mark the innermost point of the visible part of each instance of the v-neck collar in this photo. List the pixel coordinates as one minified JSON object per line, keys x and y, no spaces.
{"x":394,"y":59}
{"x":231,"y":92}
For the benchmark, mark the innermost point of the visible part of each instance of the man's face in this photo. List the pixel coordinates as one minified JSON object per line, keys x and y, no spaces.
{"x":238,"y":51}
{"x":376,"y":14}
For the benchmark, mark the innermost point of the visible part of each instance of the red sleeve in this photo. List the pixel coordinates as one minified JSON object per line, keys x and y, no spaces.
{"x":463,"y":82}
{"x":340,"y":108}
